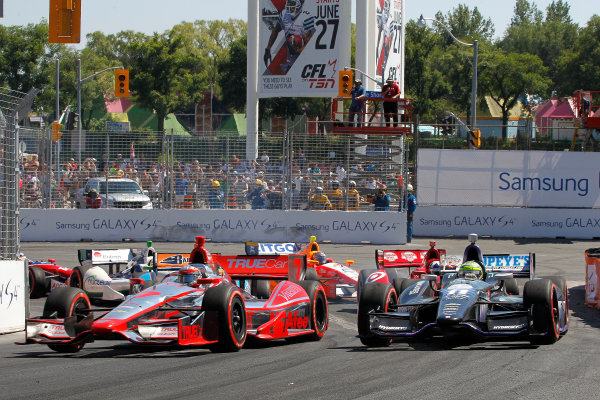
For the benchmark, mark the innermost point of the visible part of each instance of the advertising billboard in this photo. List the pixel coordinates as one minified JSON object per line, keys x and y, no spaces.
{"x":302,"y":46}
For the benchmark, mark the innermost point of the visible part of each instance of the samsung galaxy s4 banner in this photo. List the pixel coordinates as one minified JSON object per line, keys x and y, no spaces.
{"x":509,"y":178}
{"x":303,"y":45}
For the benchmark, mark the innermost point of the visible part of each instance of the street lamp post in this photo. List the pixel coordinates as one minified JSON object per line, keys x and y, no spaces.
{"x":475,"y":46}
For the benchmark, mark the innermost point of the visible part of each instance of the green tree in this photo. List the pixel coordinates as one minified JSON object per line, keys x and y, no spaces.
{"x":163,"y":77}
{"x":507,"y":77}
{"x":232,"y":77}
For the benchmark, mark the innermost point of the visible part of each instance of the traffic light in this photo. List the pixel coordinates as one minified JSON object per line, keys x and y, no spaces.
{"x":448,"y":125}
{"x":56,"y":134}
{"x":64,"y":21}
{"x":474,"y":139}
{"x":345,"y":83}
{"x":122,"y":83}
{"x":71,"y":119}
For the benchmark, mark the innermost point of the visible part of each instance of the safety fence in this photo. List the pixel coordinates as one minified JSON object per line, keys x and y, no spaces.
{"x":292,"y":172}
{"x":13,"y":104}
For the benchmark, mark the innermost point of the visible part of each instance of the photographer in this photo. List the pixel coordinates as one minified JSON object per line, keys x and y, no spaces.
{"x":381,"y":200}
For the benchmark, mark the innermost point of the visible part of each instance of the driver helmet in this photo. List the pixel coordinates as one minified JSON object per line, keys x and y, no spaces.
{"x":470,"y":270}
{"x":434,"y":268}
{"x":320,"y":257}
{"x":93,"y":193}
{"x":188,"y":275}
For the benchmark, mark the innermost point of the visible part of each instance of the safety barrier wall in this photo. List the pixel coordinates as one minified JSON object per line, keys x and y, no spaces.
{"x":12,"y":296}
{"x":437,"y":221}
{"x":218,"y":225}
{"x":592,"y":277}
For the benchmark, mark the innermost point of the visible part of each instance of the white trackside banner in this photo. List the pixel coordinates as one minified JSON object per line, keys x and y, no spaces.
{"x":508,"y":178}
{"x":64,"y":225}
{"x":303,"y":45}
{"x":13,"y":296}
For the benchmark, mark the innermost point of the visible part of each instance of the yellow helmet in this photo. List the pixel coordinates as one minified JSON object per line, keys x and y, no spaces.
{"x":216,"y":183}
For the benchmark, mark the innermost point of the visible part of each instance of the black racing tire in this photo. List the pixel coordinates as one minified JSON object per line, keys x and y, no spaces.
{"x":260,"y":288}
{"x":375,"y":297}
{"x":76,"y":279}
{"x":228,"y":303}
{"x":406,"y":283}
{"x":66,"y":302}
{"x":311,"y":274}
{"x":38,"y":286}
{"x":540,"y":296}
{"x":319,"y":309}
{"x":561,"y":284}
{"x":362,"y":279}
{"x":397,"y":283}
{"x":511,"y":286}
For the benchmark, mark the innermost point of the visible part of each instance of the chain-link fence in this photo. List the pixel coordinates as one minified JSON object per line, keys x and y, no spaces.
{"x":12,"y":105}
{"x":293,"y":171}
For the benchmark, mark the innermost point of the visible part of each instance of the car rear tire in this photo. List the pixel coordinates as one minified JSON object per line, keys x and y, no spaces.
{"x":228,"y":303}
{"x":76,"y":279}
{"x":375,"y":297}
{"x":511,"y":286}
{"x":363,"y":275}
{"x":37,"y":282}
{"x":406,"y":283}
{"x":311,"y":274}
{"x":260,"y":288}
{"x":66,"y":302}
{"x":540,"y":296}
{"x":561,"y":285}
{"x":319,"y":310}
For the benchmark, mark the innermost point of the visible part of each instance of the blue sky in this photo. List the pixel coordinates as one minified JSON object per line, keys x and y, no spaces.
{"x":148,"y":16}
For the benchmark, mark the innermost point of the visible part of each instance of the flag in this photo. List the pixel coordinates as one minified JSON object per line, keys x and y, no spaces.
{"x":132,"y":152}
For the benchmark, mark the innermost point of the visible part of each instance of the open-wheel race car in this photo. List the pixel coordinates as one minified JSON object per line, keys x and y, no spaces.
{"x":105,"y":274}
{"x":475,"y":296}
{"x":338,"y":280}
{"x":197,"y":305}
{"x":44,"y":275}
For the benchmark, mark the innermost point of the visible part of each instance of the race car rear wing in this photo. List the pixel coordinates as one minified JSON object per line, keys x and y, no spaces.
{"x":110,"y":257}
{"x":271,"y":249}
{"x":402,"y":258}
{"x":170,"y":261}
{"x":291,"y":267}
{"x":520,"y":265}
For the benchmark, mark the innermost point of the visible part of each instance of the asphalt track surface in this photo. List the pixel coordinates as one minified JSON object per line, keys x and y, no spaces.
{"x":338,"y":366}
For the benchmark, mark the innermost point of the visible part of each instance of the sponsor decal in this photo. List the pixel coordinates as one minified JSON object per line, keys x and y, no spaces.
{"x":256,"y":263}
{"x":392,"y":328}
{"x":92,"y":281}
{"x":417,"y":288}
{"x":289,"y":292}
{"x":508,"y":327}
{"x":390,"y":256}
{"x":293,"y":321}
{"x":177,"y":259}
{"x":506,"y":261}
{"x":191,"y":332}
{"x":409,"y":256}
{"x":376,"y":276}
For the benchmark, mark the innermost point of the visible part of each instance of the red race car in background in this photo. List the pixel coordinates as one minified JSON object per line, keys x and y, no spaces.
{"x":42,"y":274}
{"x":410,"y":264}
{"x":197,"y":305}
{"x":339,"y":280}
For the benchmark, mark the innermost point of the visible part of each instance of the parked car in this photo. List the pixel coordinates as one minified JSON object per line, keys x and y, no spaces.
{"x":115,"y":193}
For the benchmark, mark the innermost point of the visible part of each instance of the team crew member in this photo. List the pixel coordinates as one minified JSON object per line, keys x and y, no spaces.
{"x":356,"y":107}
{"x":353,"y":197}
{"x":257,"y":196}
{"x":390,"y":92}
{"x":93,"y":200}
{"x":319,"y":201}
{"x":336,"y":196}
{"x":411,"y":207}
{"x":215,"y":195}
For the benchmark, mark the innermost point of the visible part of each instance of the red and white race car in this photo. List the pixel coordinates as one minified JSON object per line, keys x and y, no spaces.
{"x":339,"y":280}
{"x":42,"y":274}
{"x":411,"y":264}
{"x":199,"y":304}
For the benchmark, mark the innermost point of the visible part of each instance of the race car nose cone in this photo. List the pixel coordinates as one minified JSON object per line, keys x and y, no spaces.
{"x":104,"y":327}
